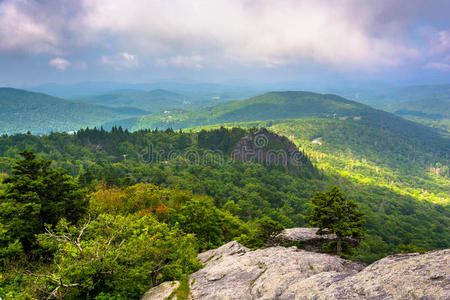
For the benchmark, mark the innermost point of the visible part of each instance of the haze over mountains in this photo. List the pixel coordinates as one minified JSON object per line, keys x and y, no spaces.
{"x":136,"y":108}
{"x":22,"y":111}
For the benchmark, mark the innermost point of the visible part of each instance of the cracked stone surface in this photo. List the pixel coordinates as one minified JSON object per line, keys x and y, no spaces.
{"x":234,"y":272}
{"x":308,"y":238}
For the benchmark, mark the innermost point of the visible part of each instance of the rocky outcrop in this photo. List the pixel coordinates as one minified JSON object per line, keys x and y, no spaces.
{"x":309,"y":239}
{"x":234,"y":272}
{"x":266,"y":147}
{"x":162,"y":291}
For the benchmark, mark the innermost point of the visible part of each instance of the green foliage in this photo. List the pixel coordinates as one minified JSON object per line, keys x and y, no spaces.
{"x":430,"y":112}
{"x":36,"y":194}
{"x":116,"y":256}
{"x":262,"y":234}
{"x":211,"y":226}
{"x":182,"y":292}
{"x":390,"y":188}
{"x":332,"y":212}
{"x":410,"y":249}
{"x":269,"y":106}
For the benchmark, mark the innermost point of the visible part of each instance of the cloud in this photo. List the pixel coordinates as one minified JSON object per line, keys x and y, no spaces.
{"x":59,"y":63}
{"x":267,"y":32}
{"x":438,"y":66}
{"x":345,"y":34}
{"x":191,"y":62}
{"x":41,"y":27}
{"x":441,"y":42}
{"x":120,"y":61}
{"x":20,"y":31}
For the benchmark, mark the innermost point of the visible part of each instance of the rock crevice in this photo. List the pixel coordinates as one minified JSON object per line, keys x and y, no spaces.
{"x":234,"y":272}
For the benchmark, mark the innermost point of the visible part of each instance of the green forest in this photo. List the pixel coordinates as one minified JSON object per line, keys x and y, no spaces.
{"x":106,"y":214}
{"x":114,"y":180}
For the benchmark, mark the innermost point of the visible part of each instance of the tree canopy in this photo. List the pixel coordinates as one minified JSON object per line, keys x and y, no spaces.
{"x":332,"y":212}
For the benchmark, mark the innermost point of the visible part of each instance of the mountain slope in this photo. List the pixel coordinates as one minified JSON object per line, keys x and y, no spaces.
{"x":287,"y":105}
{"x":350,"y":139}
{"x":431,"y":112}
{"x":22,"y":111}
{"x":429,"y":108}
{"x":269,"y":106}
{"x":155,"y":100}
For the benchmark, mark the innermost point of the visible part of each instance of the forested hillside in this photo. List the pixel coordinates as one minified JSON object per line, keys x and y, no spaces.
{"x":22,"y":111}
{"x":397,"y":213}
{"x":431,"y":112}
{"x":285,"y":105}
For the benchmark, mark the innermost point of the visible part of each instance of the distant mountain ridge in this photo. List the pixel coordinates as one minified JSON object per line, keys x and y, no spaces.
{"x":281,"y":105}
{"x":154,"y":100}
{"x":22,"y":111}
{"x":430,"y":112}
{"x":269,"y":106}
{"x":429,"y":108}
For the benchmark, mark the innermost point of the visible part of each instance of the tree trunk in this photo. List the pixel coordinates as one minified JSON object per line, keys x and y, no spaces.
{"x":338,"y":246}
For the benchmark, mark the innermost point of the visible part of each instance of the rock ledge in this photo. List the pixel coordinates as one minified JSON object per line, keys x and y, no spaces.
{"x":234,"y":272}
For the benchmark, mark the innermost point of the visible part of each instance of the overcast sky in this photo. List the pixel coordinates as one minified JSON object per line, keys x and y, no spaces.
{"x":215,"y":40}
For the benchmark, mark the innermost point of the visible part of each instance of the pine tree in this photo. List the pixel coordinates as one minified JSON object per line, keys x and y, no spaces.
{"x":36,"y":195}
{"x":333,"y":213}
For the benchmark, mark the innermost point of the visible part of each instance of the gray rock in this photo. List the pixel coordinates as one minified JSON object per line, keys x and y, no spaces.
{"x":309,"y":239}
{"x":162,"y":291}
{"x":266,"y":147}
{"x":234,"y":272}
{"x":231,"y":248}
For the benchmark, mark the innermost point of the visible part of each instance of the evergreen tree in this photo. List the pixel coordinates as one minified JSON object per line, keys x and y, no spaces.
{"x":36,"y":195}
{"x":333,"y":213}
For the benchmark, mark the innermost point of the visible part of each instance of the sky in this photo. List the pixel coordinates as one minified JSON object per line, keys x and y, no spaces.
{"x":352,"y":41}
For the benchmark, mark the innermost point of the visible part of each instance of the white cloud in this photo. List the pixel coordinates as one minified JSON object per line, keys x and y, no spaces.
{"x":59,"y":63}
{"x":268,"y":32}
{"x":120,"y":61}
{"x":191,"y":62}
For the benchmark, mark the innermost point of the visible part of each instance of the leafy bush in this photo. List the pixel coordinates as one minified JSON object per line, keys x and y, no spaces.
{"x":116,"y":256}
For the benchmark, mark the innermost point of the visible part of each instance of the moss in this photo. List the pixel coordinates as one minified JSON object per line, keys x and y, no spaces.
{"x":183,"y":290}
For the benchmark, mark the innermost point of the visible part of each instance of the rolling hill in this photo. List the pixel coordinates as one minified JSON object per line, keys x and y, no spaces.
{"x":431,"y":112}
{"x":22,"y":111}
{"x":155,"y":100}
{"x":285,"y":105}
{"x":196,"y":91}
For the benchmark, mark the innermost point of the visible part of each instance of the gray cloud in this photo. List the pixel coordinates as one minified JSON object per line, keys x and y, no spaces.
{"x":345,"y":35}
